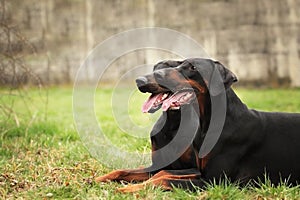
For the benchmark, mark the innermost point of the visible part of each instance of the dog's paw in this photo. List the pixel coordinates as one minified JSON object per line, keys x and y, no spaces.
{"x":101,"y":179}
{"x":131,"y":188}
{"x":112,"y":176}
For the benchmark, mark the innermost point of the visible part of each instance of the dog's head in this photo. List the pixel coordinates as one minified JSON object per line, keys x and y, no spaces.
{"x":177,"y":83}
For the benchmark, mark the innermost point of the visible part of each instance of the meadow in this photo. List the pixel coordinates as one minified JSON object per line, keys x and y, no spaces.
{"x":42,"y":155}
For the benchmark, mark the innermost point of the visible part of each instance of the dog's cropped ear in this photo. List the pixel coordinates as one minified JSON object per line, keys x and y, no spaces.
{"x":226,"y":76}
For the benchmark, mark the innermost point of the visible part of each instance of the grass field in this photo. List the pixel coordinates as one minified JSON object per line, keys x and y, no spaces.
{"x":42,"y":156}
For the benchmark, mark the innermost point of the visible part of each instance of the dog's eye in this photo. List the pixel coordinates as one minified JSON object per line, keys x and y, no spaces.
{"x":193,"y":67}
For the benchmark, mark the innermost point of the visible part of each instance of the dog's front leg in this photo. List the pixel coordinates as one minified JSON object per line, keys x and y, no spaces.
{"x":128,"y":175}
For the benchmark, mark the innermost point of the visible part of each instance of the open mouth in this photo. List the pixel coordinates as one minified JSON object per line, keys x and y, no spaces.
{"x":168,"y":100}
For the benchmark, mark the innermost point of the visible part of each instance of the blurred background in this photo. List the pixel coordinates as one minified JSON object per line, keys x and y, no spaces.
{"x":44,"y":42}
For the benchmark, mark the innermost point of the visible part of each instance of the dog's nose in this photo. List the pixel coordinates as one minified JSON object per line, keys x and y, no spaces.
{"x":141,"y":81}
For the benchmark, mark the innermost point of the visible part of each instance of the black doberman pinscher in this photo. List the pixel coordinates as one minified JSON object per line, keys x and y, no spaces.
{"x":250,"y":145}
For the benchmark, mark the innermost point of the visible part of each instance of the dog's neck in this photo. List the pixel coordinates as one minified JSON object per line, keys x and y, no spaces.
{"x":231,"y":112}
{"x":234,"y":105}
{"x":203,"y":107}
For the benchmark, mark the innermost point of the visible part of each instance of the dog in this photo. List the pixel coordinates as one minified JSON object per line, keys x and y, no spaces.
{"x":248,"y":146}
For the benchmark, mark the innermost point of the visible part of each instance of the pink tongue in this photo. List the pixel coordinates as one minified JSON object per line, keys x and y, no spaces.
{"x":174,"y":99}
{"x":150,"y":102}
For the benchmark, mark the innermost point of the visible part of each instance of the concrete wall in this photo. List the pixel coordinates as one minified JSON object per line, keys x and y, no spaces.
{"x":258,"y":40}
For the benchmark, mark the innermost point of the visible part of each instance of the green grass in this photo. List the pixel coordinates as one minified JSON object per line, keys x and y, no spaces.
{"x":42,"y":156}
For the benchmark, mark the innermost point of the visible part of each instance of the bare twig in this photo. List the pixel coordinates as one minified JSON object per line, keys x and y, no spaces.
{"x":14,"y":71}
